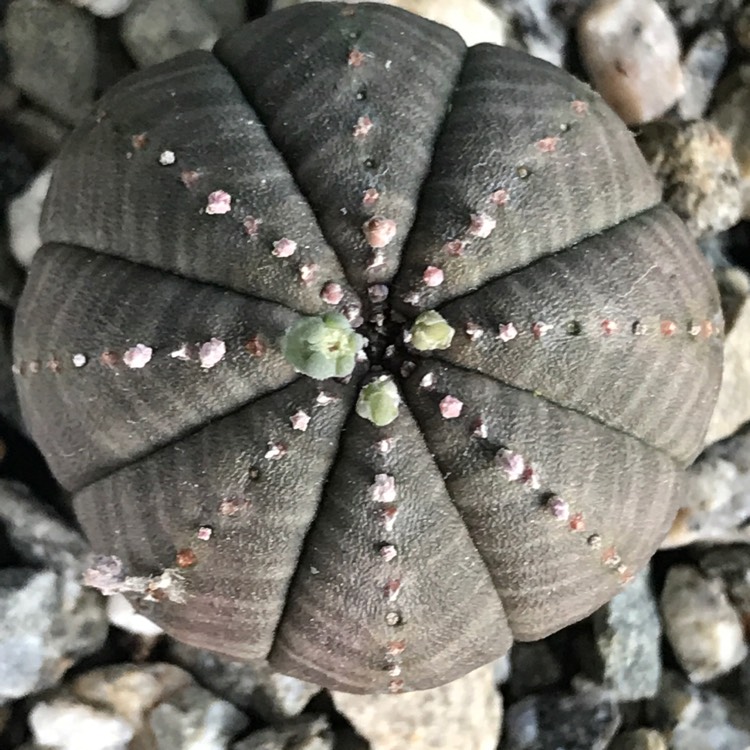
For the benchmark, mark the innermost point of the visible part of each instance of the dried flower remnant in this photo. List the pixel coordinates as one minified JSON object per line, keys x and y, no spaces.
{"x":284,"y":248}
{"x":450,"y":407}
{"x":186,"y":558}
{"x":137,"y":356}
{"x":231,"y":506}
{"x":219,"y":202}
{"x":392,"y":590}
{"x":473,"y":330}
{"x":577,"y":522}
{"x":379,"y":231}
{"x":479,"y":429}
{"x":378,"y":293}
{"x":481,"y":225}
{"x":107,"y":574}
{"x":388,"y":517}
{"x":579,"y":107}
{"x":609,"y":327}
{"x":211,"y":353}
{"x":668,"y":328}
{"x":190,"y":177}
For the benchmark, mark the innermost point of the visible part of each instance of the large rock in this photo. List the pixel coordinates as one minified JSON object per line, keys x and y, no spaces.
{"x":704,"y":630}
{"x":463,"y":714}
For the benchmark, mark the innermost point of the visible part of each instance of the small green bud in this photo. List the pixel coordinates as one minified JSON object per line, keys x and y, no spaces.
{"x":431,"y":331}
{"x":378,"y":401}
{"x":324,"y":347}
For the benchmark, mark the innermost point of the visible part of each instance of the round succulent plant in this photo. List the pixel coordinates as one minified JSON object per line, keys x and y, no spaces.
{"x":363,"y":352}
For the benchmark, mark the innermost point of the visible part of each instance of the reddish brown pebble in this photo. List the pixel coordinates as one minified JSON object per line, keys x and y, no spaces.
{"x":577,"y":523}
{"x":251,"y":225}
{"x":255,"y":346}
{"x":668,"y":327}
{"x":609,"y":327}
{"x":481,"y":225}
{"x":363,"y":127}
{"x":185,"y":558}
{"x":356,"y":58}
{"x":379,"y":231}
{"x":500,"y":197}
{"x":454,"y":248}
{"x":332,"y":293}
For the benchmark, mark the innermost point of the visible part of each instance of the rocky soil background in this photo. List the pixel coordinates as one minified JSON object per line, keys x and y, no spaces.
{"x":664,"y":665}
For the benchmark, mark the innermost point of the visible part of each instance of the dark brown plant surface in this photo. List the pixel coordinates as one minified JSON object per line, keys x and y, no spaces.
{"x":317,"y":162}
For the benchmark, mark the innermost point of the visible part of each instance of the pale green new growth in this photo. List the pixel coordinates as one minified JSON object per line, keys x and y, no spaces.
{"x":378,"y":401}
{"x":324,"y":347}
{"x":431,"y":331}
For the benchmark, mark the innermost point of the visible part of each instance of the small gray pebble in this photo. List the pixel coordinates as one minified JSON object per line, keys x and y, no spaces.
{"x":627,"y":634}
{"x":702,"y":66}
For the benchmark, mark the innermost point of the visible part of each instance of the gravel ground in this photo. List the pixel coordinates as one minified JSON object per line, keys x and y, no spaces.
{"x":664,"y":665}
